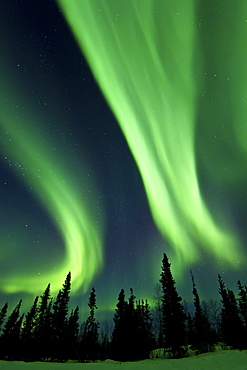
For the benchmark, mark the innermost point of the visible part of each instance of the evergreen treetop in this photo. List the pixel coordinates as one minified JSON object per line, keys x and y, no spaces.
{"x":173,"y":316}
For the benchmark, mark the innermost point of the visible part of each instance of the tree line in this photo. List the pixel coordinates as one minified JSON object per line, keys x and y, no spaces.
{"x":48,"y":332}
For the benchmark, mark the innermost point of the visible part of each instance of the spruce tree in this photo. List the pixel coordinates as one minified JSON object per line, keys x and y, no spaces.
{"x":59,"y":321}
{"x":28,"y":335}
{"x":72,"y":334}
{"x":105,"y":341}
{"x":30,"y":320}
{"x":10,"y":339}
{"x":132,"y":330}
{"x":174,"y":318}
{"x":242,"y":302}
{"x":42,"y":331}
{"x":231,"y":325}
{"x":3,"y":313}
{"x":90,"y":338}
{"x":125,"y":340}
{"x":190,"y":329}
{"x":120,"y":332}
{"x":42,"y":309}
{"x":202,"y":338}
{"x":145,"y":338}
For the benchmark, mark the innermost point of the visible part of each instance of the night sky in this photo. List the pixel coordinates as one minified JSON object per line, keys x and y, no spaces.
{"x":123,"y":135}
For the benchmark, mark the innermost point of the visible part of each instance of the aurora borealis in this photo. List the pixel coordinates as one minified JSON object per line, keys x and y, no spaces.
{"x":104,"y":197}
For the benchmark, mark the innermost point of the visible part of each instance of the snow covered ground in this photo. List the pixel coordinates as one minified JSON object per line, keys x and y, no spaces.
{"x":221,"y":360}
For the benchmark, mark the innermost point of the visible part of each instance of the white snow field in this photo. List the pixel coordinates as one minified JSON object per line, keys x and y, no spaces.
{"x":221,"y":360}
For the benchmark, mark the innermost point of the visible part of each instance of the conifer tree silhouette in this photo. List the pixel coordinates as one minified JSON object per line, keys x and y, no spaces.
{"x":125,"y":341}
{"x":10,"y":338}
{"x":105,"y":341}
{"x":3,"y":314}
{"x":28,"y":333}
{"x":132,"y":328}
{"x":145,"y":341}
{"x":59,"y":321}
{"x":173,"y":316}
{"x":132,"y":337}
{"x":90,"y":338}
{"x":231,"y":325}
{"x":242,"y":303}
{"x":72,"y":334}
{"x":202,"y":338}
{"x":120,"y":333}
{"x":42,"y":331}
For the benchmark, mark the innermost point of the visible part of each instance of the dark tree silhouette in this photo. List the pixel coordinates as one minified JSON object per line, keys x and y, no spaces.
{"x":242,"y":302}
{"x":72,"y":334}
{"x":190,"y":329}
{"x":145,"y":339}
{"x":202,"y":340}
{"x":42,"y":331}
{"x":132,"y":337}
{"x":10,"y":339}
{"x":124,"y":335}
{"x":132,"y":327}
{"x":38,"y":335}
{"x":60,"y":322}
{"x":3,"y":314}
{"x":105,"y":344}
{"x":118,"y":343}
{"x":231,"y":325}
{"x":28,"y":334}
{"x":47,"y":333}
{"x":90,"y":337}
{"x":174,"y":318}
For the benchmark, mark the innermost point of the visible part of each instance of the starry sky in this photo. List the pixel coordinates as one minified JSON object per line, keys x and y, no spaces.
{"x":123,"y":136}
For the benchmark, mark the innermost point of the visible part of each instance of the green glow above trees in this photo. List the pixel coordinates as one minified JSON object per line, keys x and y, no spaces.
{"x":147,"y":57}
{"x":71,"y":203}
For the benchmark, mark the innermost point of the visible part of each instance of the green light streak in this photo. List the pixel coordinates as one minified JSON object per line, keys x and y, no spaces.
{"x":71,"y":203}
{"x":224,"y":97}
{"x":145,"y":56}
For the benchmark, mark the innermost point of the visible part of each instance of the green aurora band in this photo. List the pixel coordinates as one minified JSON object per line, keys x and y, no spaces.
{"x":66,"y":200}
{"x":148,"y":58}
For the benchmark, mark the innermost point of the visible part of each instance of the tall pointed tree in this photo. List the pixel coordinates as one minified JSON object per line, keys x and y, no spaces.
{"x":105,"y":341}
{"x":28,"y":332}
{"x":131,"y":329}
{"x":174,"y":317}
{"x":72,"y":334}
{"x":231,"y":325}
{"x":90,"y":339}
{"x":242,"y":302}
{"x":125,"y":332}
{"x":132,"y":338}
{"x":203,"y":341}
{"x":60,"y":321}
{"x":145,"y":341}
{"x":3,"y":313}
{"x":11,"y":334}
{"x":43,"y":333}
{"x":30,"y":320}
{"x":119,"y":334}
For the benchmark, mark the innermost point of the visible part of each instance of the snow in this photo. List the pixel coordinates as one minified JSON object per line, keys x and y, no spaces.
{"x":220,"y":360}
